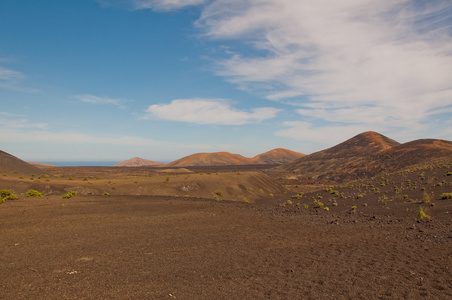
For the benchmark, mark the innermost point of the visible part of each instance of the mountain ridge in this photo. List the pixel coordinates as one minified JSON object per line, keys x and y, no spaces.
{"x":275,"y":156}
{"x":367,"y":154}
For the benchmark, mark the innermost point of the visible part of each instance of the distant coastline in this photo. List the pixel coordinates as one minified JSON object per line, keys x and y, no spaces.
{"x":80,"y":163}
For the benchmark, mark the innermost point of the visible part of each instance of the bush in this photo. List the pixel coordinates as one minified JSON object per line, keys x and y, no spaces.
{"x":69,"y":195}
{"x":446,"y":196}
{"x":421,"y":214}
{"x":33,"y":193}
{"x":298,"y":196}
{"x":7,"y":195}
{"x":425,"y":198}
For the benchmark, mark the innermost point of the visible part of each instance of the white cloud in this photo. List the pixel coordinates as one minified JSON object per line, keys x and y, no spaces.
{"x":165,"y":4}
{"x":207,"y":111}
{"x":356,"y":61}
{"x":6,"y":74}
{"x":78,"y":146}
{"x":324,"y":136}
{"x":100,"y":100}
{"x":15,"y":121}
{"x":162,"y":5}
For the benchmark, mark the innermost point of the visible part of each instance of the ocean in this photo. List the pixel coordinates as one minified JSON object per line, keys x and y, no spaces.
{"x":80,"y":163}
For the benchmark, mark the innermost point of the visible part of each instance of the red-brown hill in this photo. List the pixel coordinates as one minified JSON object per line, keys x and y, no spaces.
{"x":367,"y":154}
{"x":277,"y":156}
{"x":272,"y":157}
{"x":137,"y":162}
{"x":11,"y":164}
{"x":416,"y":152}
{"x":210,"y":159}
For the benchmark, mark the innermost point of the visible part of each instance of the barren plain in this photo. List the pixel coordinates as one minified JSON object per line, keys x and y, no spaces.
{"x":227,"y":232}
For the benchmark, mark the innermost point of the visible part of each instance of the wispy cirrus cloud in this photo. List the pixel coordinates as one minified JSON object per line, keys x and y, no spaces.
{"x":16,"y":121}
{"x":87,"y":98}
{"x":208,"y":111}
{"x":7,"y":74}
{"x":159,"y":5}
{"x":354,"y":62}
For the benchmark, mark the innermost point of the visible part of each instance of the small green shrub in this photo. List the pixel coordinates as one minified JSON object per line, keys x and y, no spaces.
{"x":446,"y":196}
{"x":245,"y":200}
{"x":354,"y":208}
{"x":306,"y":206}
{"x":425,"y":198}
{"x":421,"y":214}
{"x":69,"y":194}
{"x":33,"y":193}
{"x":298,"y":196}
{"x":7,"y":195}
{"x":219,"y":193}
{"x":106,"y":193}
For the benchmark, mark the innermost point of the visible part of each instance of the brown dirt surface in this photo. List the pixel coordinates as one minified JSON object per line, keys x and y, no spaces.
{"x":128,"y":246}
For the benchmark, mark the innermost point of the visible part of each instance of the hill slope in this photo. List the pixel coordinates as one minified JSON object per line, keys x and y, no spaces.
{"x":272,"y":157}
{"x":137,"y":162}
{"x":210,"y":159}
{"x":277,"y":156}
{"x":12,"y":164}
{"x":367,"y":154}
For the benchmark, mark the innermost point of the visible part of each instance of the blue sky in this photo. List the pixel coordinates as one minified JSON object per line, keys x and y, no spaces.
{"x":162,"y":79}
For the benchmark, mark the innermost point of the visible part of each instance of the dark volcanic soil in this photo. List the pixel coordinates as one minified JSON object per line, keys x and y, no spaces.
{"x":141,"y":247}
{"x":153,"y":247}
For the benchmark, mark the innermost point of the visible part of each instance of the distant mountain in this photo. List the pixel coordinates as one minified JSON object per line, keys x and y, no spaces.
{"x":277,"y":156}
{"x":137,"y":162}
{"x":367,"y":154}
{"x":12,"y":164}
{"x":210,"y":159}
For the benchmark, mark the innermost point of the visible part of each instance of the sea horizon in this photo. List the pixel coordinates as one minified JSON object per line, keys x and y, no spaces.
{"x":80,"y":163}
